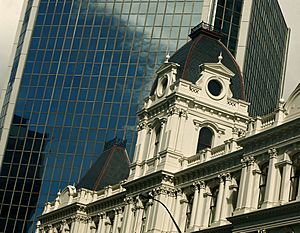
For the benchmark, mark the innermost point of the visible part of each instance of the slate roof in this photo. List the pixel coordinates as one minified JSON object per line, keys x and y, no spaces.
{"x":205,"y":47}
{"x":110,"y":168}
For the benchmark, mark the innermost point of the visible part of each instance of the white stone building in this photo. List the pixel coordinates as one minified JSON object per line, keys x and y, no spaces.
{"x":200,"y":154}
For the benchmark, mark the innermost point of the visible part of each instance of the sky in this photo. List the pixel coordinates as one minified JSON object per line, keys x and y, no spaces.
{"x":10,"y":11}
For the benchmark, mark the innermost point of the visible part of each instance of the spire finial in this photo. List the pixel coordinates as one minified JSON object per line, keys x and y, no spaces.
{"x":167,"y":58}
{"x":220,"y":58}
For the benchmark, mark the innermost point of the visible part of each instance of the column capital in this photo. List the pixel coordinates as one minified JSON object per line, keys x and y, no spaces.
{"x":128,"y":200}
{"x":163,"y":121}
{"x":101,"y":215}
{"x":178,"y":192}
{"x":221,"y":177}
{"x":247,"y":160}
{"x":227,"y":176}
{"x":199,"y":184}
{"x":141,"y":126}
{"x":272,"y":153}
{"x":138,"y":203}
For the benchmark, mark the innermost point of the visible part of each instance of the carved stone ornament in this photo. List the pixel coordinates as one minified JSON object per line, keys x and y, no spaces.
{"x":247,"y":160}
{"x":272,"y":153}
{"x":168,"y":179}
{"x":141,"y":126}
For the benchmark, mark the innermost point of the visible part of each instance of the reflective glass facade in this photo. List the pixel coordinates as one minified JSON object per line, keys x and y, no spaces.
{"x":265,"y":56}
{"x":227,"y":20}
{"x":88,"y":66}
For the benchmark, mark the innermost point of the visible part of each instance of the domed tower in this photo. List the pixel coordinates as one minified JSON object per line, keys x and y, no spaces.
{"x":196,"y":106}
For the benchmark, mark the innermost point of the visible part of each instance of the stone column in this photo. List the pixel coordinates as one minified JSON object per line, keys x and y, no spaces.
{"x":285,"y":182}
{"x":219,"y":199}
{"x":75,"y":225}
{"x":195,"y":204}
{"x":127,"y":216}
{"x":206,"y":212}
{"x":139,"y":210}
{"x":200,"y":206}
{"x":160,"y":212}
{"x":183,"y":209}
{"x":255,"y":189}
{"x":177,"y":208}
{"x":226,"y":196}
{"x":271,"y":179}
{"x":166,"y":227}
{"x":148,"y":215}
{"x":249,"y":183}
{"x":64,"y":227}
{"x":82,"y":224}
{"x":242,"y":184}
{"x":116,"y":220}
{"x":108,"y":225}
{"x":173,"y":202}
{"x":101,"y":225}
{"x":91,"y":226}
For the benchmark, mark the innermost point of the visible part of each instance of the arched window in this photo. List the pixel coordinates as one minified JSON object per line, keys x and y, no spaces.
{"x":205,"y":139}
{"x":295,"y":177}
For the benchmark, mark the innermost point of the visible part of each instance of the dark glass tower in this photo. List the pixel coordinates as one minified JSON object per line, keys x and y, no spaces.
{"x":265,"y":56}
{"x":80,"y":70}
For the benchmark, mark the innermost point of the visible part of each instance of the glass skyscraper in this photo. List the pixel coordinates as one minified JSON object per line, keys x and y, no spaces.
{"x":80,"y":70}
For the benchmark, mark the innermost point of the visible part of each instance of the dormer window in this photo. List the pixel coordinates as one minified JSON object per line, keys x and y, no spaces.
{"x":162,"y":86}
{"x":205,"y":139}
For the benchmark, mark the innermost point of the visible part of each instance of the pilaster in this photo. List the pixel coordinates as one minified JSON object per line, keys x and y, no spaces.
{"x":226,"y":195}
{"x":269,"y":199}
{"x":219,"y":200}
{"x":195,"y":204}
{"x":285,"y":182}
{"x":200,"y":206}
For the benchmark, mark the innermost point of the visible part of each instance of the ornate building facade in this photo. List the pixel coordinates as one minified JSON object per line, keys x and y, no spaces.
{"x":200,"y":155}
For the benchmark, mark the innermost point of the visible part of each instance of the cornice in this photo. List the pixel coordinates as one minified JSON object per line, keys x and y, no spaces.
{"x":227,"y":163}
{"x":278,"y":216}
{"x":220,"y":229}
{"x":110,"y":202}
{"x":192,"y":104}
{"x":283,"y":132}
{"x":65,"y":212}
{"x":147,"y":182}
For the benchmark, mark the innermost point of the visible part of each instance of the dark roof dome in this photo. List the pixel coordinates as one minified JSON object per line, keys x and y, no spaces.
{"x":110,"y":168}
{"x":205,"y":47}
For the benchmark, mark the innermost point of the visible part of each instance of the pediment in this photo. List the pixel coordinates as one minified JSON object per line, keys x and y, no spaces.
{"x":166,"y":66}
{"x":66,"y":194}
{"x":216,"y":68}
{"x":292,"y":105}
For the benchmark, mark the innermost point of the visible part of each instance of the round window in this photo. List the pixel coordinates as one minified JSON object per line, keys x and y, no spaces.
{"x":214,"y":87}
{"x":162,"y":86}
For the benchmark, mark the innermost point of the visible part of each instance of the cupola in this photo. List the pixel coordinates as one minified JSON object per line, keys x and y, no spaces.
{"x":195,"y":108}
